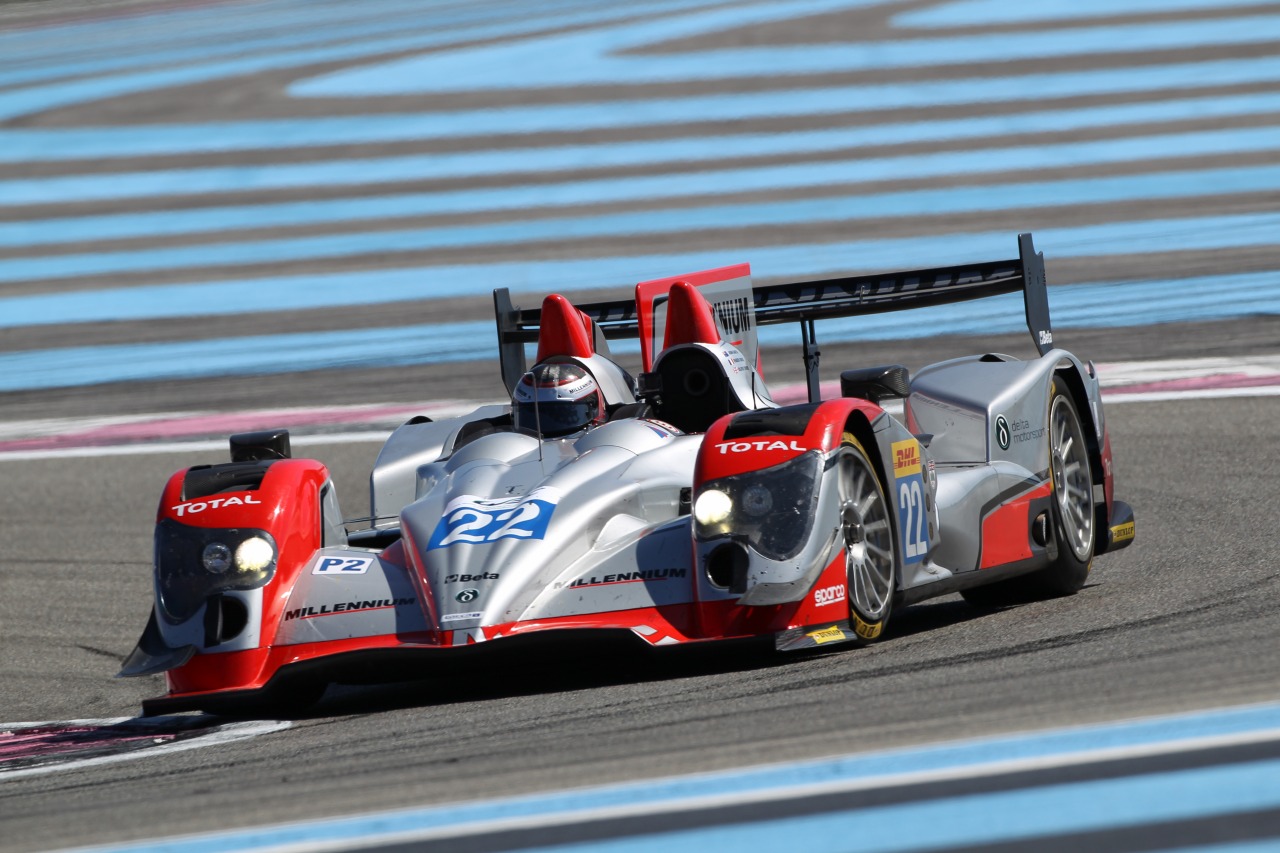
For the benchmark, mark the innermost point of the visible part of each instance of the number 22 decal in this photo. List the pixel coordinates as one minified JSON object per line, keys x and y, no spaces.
{"x":470,"y":520}
{"x":912,"y":519}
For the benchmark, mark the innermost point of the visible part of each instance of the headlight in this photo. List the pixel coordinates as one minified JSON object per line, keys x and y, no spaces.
{"x":216,"y":557}
{"x":193,"y":563}
{"x":771,"y":509}
{"x":713,"y":507}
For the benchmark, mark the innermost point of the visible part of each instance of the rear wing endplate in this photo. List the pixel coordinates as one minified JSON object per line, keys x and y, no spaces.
{"x":805,"y":302}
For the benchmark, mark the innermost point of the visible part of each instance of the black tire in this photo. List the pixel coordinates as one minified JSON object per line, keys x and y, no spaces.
{"x":1071,"y":472}
{"x":871,"y":568}
{"x":1071,"y":512}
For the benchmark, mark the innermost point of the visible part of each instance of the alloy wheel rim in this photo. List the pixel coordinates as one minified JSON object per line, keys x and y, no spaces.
{"x":1072,"y":484}
{"x":867,"y":537}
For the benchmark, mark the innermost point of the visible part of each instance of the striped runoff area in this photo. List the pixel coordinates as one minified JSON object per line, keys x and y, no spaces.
{"x":1188,"y":782}
{"x":162,"y":163}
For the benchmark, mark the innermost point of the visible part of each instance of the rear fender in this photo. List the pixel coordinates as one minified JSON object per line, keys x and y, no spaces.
{"x":1082,"y":384}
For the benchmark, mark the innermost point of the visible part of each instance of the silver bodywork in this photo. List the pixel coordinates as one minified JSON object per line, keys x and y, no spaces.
{"x":615,"y":538}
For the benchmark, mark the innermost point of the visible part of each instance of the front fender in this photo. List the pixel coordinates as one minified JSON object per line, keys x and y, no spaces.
{"x":223,"y":612}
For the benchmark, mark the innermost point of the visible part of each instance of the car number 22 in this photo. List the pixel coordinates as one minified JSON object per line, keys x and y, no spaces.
{"x":471,"y":520}
{"x":912,"y":518}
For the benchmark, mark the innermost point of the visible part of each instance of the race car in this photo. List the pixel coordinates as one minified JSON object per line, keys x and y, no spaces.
{"x":680,"y":505}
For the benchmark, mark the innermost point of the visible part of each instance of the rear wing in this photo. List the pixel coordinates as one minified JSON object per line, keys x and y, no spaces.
{"x":805,"y":302}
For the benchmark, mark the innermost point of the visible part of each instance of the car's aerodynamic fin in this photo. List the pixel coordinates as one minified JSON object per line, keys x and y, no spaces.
{"x":564,"y":330}
{"x":689,"y":319}
{"x":805,"y":302}
{"x":728,"y":292}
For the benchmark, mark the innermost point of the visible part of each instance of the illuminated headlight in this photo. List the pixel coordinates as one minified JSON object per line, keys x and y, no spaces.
{"x":772,"y":509}
{"x":713,"y":507}
{"x":254,"y":554}
{"x":194,"y":563}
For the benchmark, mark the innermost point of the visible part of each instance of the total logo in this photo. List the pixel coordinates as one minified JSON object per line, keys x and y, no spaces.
{"x":193,"y":507}
{"x":763,"y":444}
{"x":828,"y":595}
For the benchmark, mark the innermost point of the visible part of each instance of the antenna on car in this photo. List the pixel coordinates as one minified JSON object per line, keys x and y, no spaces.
{"x":537,"y":413}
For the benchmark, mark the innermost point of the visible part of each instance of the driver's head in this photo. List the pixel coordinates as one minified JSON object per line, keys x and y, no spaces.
{"x":556,"y":399}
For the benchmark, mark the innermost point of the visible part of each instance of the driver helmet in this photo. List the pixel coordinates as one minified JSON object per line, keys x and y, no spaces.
{"x":561,"y":398}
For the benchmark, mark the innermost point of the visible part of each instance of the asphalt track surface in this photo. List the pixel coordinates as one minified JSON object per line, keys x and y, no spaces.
{"x":1187,"y":618}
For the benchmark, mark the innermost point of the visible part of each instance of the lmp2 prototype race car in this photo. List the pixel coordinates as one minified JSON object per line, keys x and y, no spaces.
{"x":678,"y":507}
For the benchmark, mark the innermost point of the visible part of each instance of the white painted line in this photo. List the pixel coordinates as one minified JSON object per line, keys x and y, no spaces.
{"x":226,"y":733}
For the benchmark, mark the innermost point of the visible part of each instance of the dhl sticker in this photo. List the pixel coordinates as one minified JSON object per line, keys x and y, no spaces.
{"x":1122,"y":532}
{"x":828,"y":635}
{"x":906,"y":458}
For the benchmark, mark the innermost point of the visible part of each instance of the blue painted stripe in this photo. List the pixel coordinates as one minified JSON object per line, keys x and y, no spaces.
{"x":203,"y":35}
{"x":684,"y":219}
{"x":438,"y":166}
{"x":61,"y":93}
{"x":598,"y":56}
{"x":370,"y":287}
{"x":977,"y":13}
{"x":983,"y":819}
{"x":868,"y":767}
{"x":1129,"y":303}
{"x":20,"y":144}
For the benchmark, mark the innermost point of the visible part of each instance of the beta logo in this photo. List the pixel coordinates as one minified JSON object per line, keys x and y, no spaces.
{"x":1046,"y":338}
{"x":482,"y":576}
{"x":342,"y":565}
{"x":193,"y":507}
{"x":763,"y":444}
{"x":828,"y":595}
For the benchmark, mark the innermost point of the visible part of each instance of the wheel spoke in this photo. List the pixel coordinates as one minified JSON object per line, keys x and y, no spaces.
{"x":871,"y":571}
{"x":882,"y":553}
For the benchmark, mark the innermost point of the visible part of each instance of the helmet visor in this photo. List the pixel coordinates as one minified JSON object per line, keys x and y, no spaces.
{"x":556,"y":418}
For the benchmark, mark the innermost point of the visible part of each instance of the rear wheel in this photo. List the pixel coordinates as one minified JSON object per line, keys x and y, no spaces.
{"x":1072,"y":476}
{"x":1071,"y":513}
{"x":869,"y":558}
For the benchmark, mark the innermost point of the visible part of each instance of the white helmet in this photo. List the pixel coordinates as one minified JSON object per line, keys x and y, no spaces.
{"x":556,"y":399}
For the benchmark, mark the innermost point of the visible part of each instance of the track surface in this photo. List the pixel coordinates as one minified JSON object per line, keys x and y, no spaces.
{"x":1189,"y":617}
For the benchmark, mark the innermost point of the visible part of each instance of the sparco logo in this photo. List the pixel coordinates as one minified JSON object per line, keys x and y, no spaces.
{"x":467,"y":595}
{"x":192,"y":507}
{"x":828,"y":595}
{"x":765,"y":444}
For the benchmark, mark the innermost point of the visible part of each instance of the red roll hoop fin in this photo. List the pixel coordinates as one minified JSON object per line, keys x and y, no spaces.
{"x":689,"y":317}
{"x":564,"y":330}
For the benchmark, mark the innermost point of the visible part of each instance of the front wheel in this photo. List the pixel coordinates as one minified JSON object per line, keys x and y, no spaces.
{"x":867,"y":534}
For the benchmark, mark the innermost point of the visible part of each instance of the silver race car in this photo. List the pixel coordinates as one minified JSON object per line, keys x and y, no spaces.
{"x":678,"y":506}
